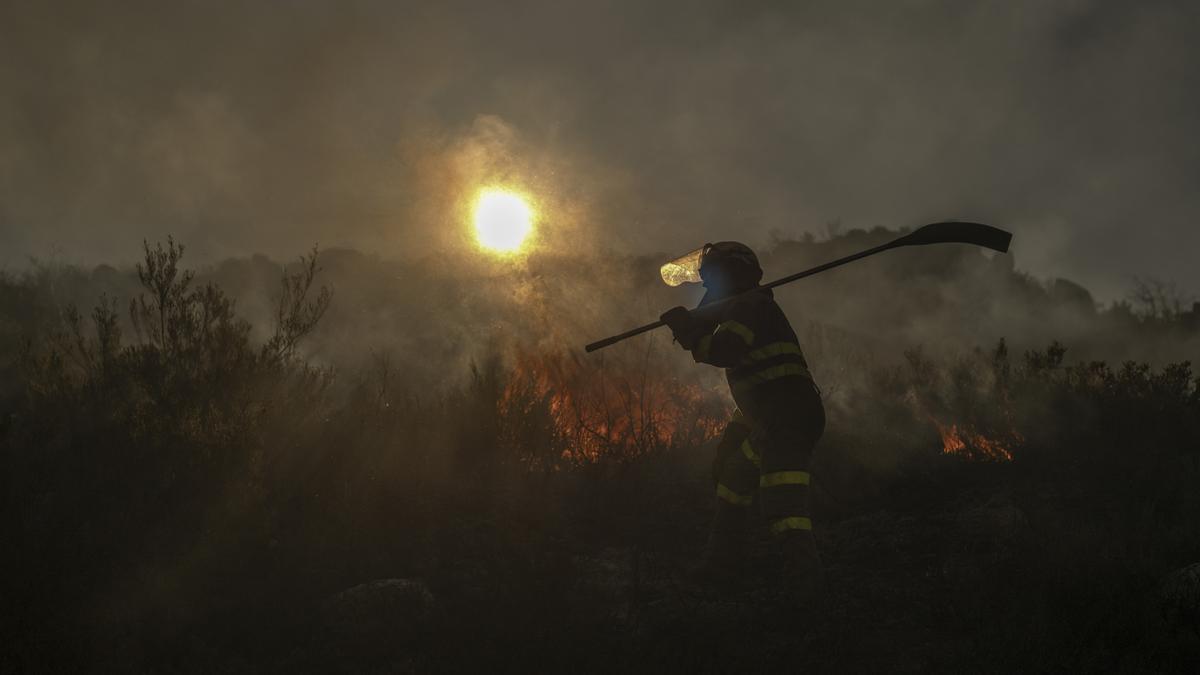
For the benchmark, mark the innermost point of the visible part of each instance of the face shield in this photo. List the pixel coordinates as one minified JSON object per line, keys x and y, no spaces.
{"x":685,"y":269}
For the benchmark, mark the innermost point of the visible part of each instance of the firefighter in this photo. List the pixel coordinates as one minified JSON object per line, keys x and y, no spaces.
{"x":766,"y":449}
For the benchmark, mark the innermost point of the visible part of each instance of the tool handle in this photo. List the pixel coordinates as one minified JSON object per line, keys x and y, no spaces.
{"x":935,"y":233}
{"x":714,"y":308}
{"x":600,"y":344}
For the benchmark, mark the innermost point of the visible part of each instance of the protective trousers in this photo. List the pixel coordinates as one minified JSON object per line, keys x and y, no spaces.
{"x":766,"y":459}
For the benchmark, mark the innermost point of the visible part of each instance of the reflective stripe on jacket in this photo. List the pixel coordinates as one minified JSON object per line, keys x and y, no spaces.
{"x":758,"y":349}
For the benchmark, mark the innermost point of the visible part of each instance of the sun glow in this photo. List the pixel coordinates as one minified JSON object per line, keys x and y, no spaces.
{"x":503,"y":220}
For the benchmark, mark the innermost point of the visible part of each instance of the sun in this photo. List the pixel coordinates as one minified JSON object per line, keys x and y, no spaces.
{"x":503,"y":220}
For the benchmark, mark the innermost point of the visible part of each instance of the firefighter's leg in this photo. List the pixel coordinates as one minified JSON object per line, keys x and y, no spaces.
{"x":736,"y":478}
{"x":784,"y":488}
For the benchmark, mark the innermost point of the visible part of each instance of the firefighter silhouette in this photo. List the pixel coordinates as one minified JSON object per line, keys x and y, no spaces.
{"x":764,"y":454}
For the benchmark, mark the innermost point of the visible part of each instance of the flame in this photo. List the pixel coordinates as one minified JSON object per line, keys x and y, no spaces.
{"x":959,"y":440}
{"x":965,"y":439}
{"x":555,"y":409}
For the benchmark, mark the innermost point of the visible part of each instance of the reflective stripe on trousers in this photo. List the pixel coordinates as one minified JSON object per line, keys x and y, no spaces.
{"x":754,"y":465}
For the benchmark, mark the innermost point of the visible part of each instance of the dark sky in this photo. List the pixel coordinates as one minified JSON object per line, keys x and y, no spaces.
{"x":268,"y":126}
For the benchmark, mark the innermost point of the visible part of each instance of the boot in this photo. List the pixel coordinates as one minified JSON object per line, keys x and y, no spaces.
{"x":722,"y":564}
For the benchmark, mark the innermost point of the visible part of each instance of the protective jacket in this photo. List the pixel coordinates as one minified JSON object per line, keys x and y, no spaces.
{"x":758,"y":349}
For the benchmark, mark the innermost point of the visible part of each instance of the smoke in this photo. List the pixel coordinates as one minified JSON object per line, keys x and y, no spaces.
{"x":370,"y":128}
{"x":262,"y":128}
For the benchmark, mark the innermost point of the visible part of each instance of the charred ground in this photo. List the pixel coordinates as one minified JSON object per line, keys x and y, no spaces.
{"x":413,"y":478}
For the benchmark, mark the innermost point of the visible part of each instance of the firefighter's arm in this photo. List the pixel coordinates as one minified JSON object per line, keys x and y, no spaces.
{"x":686,"y":328}
{"x":725,"y":347}
{"x":723,"y":344}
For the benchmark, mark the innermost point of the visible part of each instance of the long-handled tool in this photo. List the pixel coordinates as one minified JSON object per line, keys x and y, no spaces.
{"x":950,"y":232}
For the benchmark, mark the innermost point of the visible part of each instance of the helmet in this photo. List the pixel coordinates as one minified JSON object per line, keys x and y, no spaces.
{"x":738,"y":264}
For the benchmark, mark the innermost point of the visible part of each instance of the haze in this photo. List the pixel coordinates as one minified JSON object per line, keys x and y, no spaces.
{"x":639,"y":126}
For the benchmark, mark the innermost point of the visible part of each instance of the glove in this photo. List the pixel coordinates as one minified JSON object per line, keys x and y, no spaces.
{"x":682,"y":326}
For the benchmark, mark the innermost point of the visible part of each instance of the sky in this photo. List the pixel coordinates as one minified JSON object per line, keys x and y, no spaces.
{"x":241,"y":127}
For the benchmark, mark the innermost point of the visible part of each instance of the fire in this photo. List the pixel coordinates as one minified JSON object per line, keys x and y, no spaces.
{"x":965,"y":439}
{"x":959,"y":440}
{"x":555,"y":409}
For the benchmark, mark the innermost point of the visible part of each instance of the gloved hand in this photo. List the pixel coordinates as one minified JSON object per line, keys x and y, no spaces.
{"x":682,"y":326}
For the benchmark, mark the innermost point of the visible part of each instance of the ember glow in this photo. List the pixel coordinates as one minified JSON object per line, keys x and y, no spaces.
{"x":503,"y":220}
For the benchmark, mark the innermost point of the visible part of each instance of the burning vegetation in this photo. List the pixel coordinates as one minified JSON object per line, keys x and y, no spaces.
{"x":556,"y":409}
{"x":970,"y":403}
{"x":959,"y":440}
